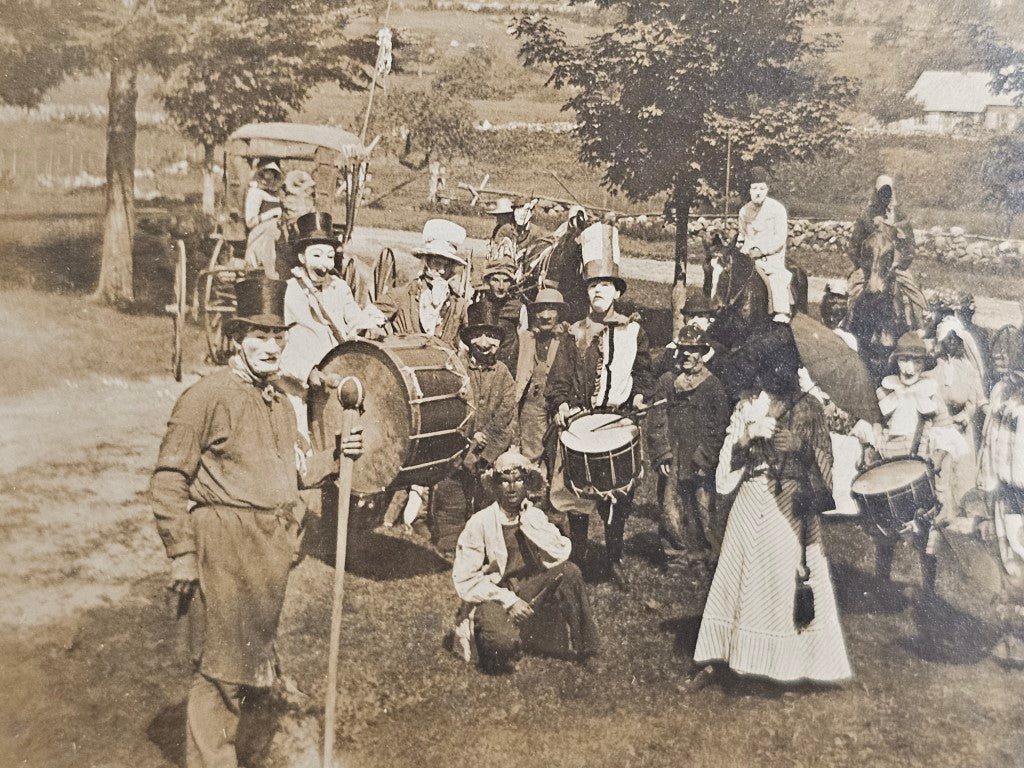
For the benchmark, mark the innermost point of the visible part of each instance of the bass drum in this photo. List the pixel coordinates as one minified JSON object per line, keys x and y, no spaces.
{"x":414,"y":407}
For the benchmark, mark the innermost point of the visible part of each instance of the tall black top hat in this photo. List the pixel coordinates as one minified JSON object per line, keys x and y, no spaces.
{"x":260,"y":304}
{"x":482,"y":317}
{"x":314,"y":228}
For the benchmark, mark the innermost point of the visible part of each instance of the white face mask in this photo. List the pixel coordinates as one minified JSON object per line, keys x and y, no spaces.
{"x":758,"y":193}
{"x":909,"y":369}
{"x":602,"y":294}
{"x":318,"y":261}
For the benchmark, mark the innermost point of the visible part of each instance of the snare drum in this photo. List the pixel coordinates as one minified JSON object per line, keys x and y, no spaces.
{"x":415,"y":404}
{"x":892,"y":493}
{"x":602,"y":455}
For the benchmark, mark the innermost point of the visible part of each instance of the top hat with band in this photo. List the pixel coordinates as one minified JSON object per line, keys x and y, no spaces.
{"x":482,"y":317}
{"x":259,"y":303}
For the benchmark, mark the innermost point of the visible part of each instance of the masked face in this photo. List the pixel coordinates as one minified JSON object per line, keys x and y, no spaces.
{"x":909,"y":369}
{"x":261,"y":350}
{"x":691,"y":360}
{"x":485,"y":346}
{"x":318,"y":261}
{"x":511,"y":489}
{"x":602,"y":294}
{"x":758,"y":193}
{"x":545,"y":319}
{"x":699,"y":321}
{"x":438,"y":266}
{"x":500,"y":285}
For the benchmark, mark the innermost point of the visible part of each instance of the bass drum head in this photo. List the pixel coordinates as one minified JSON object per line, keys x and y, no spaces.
{"x":386,"y":419}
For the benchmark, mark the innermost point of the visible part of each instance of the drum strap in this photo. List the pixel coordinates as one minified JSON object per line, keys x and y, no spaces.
{"x":314,"y":296}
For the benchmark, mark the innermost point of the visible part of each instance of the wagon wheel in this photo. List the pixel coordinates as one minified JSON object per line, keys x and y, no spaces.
{"x":218,"y":302}
{"x":214,"y":261}
{"x":180,"y":292}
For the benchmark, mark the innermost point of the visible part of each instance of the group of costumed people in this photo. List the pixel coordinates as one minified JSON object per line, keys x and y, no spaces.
{"x":739,"y":483}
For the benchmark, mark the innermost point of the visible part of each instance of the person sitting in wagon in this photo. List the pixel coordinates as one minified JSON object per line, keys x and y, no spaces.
{"x":433,"y":303}
{"x":299,"y":191}
{"x":320,"y":311}
{"x":263,"y":211}
{"x":512,"y":572}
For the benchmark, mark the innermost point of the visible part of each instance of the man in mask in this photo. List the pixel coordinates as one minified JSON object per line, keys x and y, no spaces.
{"x":538,"y":346}
{"x":320,"y":311}
{"x":433,"y":303}
{"x":500,"y":290}
{"x":225,"y":495}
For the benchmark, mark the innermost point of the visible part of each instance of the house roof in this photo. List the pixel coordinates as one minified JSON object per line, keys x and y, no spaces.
{"x":958,"y":92}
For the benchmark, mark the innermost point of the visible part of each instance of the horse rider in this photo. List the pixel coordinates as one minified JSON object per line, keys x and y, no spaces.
{"x":432,"y":303}
{"x":225,"y":495}
{"x":763,"y":228}
{"x":882,"y":209}
{"x":603,"y":363}
{"x":511,"y":228}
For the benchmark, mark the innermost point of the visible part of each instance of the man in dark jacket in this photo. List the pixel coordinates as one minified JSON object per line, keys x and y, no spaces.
{"x":501,"y":292}
{"x":685,"y":429}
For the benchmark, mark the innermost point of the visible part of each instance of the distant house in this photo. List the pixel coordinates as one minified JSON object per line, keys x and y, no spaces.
{"x":957,"y":101}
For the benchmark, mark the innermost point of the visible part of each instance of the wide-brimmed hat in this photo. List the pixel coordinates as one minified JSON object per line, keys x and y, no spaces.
{"x":267,"y":164}
{"x":314,"y":228}
{"x":600,"y":246}
{"x":500,"y":206}
{"x":259,"y":303}
{"x":692,"y":337}
{"x":547,"y":297}
{"x":482,"y":317}
{"x":910,"y":344}
{"x":698,"y":303}
{"x":514,"y":461}
{"x":442,"y":238}
{"x":502,"y":265}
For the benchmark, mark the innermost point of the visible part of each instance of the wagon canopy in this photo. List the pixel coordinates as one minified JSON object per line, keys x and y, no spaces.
{"x":297,"y":141}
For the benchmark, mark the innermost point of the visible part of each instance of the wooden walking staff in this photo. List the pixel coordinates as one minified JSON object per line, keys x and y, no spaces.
{"x":350,"y":393}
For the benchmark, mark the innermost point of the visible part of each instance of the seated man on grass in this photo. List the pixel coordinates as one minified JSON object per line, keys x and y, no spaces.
{"x":512,"y":572}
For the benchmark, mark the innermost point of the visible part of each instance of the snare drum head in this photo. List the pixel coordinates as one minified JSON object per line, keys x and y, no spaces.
{"x":391,"y":382}
{"x":596,"y":433}
{"x":893,"y":474}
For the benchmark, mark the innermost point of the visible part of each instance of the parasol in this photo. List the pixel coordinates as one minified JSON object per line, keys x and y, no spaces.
{"x":836,"y":368}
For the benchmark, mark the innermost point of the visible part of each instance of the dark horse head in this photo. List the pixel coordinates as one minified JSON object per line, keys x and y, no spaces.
{"x":876,"y":317}
{"x":552,"y":262}
{"x":743,"y":326}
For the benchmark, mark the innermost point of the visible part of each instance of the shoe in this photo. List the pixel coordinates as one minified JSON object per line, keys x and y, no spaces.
{"x":698,"y":680}
{"x":618,"y":576}
{"x":781,"y":317}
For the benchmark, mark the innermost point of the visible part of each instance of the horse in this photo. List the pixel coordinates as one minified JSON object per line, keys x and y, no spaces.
{"x":880,"y":309}
{"x":742,"y":322}
{"x":556,"y":262}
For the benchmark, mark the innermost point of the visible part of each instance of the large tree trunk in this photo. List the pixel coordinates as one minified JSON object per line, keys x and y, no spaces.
{"x":209,"y":182}
{"x":116,"y":273}
{"x":681,"y":198}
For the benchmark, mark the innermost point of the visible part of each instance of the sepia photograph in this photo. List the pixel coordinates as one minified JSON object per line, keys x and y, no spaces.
{"x":428,"y":383}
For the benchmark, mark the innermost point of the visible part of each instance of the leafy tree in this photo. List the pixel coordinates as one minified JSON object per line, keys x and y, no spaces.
{"x":53,"y":38}
{"x":658,"y":95}
{"x":434,"y":122}
{"x":255,"y":62}
{"x":1003,"y":176}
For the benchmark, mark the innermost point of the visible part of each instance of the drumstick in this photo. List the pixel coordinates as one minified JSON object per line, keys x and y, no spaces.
{"x":626,"y":415}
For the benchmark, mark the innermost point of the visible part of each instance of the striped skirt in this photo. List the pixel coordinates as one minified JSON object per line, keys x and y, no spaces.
{"x":748,"y":618}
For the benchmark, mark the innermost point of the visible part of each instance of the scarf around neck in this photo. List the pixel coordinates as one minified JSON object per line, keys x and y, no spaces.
{"x":240,"y":367}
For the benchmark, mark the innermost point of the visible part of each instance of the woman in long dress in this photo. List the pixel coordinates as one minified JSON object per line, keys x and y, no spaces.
{"x":773,"y":440}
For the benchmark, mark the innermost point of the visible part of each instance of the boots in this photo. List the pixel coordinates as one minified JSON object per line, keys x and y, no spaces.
{"x":579,"y":529}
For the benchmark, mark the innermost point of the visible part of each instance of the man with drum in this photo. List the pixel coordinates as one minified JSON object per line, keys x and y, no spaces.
{"x":512,"y":571}
{"x":320,"y":310}
{"x":432,"y":303}
{"x":604,"y":364}
{"x":225,"y":495}
{"x":763,"y":229}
